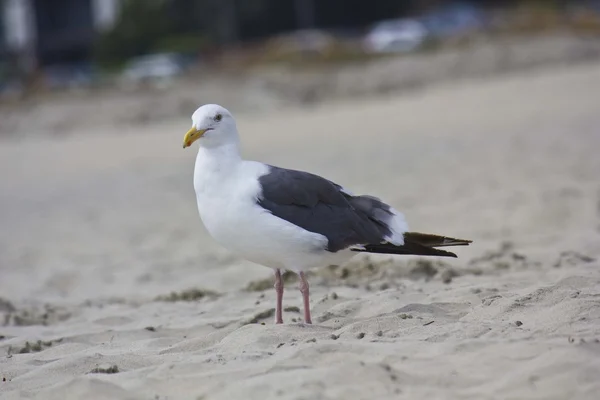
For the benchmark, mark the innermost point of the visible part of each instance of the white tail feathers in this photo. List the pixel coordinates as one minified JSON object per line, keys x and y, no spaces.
{"x":398,"y":226}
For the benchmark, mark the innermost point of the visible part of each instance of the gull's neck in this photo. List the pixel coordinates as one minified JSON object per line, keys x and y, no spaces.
{"x":215,"y":164}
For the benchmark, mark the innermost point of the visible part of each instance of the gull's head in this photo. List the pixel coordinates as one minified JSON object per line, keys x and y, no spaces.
{"x":213,"y":125}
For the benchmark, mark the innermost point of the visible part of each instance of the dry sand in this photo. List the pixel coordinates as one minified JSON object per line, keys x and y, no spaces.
{"x":99,"y":229}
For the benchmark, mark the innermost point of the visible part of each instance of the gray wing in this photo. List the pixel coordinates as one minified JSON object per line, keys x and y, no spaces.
{"x":319,"y":205}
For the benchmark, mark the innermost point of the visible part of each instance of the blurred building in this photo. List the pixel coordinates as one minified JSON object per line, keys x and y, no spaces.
{"x":35,"y":33}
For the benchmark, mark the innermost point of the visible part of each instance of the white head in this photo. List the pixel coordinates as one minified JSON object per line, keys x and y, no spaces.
{"x":214,"y":125}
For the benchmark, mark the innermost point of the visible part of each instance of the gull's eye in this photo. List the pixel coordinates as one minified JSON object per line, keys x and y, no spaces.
{"x":218,"y":117}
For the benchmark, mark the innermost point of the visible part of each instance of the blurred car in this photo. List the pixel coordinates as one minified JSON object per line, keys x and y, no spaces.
{"x":397,"y":35}
{"x":584,"y":14}
{"x":10,"y":82}
{"x":161,"y":66}
{"x":454,"y":19}
{"x":68,"y":76}
{"x":11,"y":88}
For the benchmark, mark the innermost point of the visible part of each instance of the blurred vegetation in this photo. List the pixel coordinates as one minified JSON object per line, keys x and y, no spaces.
{"x":146,"y":26}
{"x":182,"y":26}
{"x":140,"y":26}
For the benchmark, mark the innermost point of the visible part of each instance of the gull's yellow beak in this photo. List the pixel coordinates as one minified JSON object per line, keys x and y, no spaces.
{"x":192,"y":135}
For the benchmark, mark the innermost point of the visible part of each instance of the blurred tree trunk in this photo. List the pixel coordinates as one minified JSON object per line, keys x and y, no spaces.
{"x":305,"y":14}
{"x":219,"y":19}
{"x":229,"y":27}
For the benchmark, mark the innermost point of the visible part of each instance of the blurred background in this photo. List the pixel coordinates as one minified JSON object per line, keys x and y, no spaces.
{"x":86,"y":44}
{"x":274,"y":53}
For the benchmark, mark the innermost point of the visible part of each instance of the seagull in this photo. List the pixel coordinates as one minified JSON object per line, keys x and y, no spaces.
{"x":289,"y":220}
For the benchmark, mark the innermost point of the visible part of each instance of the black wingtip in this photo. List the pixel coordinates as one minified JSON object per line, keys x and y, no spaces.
{"x":413,"y":249}
{"x":432,"y":240}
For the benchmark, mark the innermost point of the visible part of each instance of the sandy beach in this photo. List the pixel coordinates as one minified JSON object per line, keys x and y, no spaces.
{"x":110,"y":288}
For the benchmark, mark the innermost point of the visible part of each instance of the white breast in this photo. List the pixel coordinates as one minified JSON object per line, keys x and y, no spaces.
{"x":227,"y":205}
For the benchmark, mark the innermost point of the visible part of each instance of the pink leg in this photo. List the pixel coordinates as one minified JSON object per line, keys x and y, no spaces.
{"x":279,"y":291}
{"x":305,"y":292}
